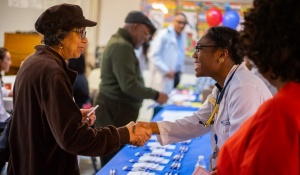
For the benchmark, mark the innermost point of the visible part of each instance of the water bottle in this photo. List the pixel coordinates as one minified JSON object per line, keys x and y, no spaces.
{"x":201,"y":162}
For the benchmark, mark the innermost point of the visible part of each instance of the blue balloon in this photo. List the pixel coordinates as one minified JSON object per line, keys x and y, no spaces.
{"x":231,"y":19}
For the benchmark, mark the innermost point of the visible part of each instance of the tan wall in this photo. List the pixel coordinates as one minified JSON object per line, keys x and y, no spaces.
{"x":111,"y":17}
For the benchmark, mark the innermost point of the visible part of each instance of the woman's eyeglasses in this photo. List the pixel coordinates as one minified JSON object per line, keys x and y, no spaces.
{"x":200,"y":47}
{"x":82,"y":32}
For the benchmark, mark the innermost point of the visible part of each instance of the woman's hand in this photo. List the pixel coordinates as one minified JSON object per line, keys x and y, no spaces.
{"x":214,"y":171}
{"x":88,"y":119}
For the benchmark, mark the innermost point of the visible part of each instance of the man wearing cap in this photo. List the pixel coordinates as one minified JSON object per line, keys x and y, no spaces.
{"x":48,"y":130}
{"x":166,"y":55}
{"x":122,"y":89}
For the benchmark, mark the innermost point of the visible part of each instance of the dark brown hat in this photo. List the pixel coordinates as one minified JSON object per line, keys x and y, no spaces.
{"x":140,"y":18}
{"x":63,"y":16}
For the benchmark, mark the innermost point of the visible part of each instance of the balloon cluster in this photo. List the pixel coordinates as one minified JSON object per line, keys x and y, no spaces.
{"x":230,"y":18}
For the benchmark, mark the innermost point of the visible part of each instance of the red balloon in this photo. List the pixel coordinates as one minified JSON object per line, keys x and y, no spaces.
{"x":213,"y":17}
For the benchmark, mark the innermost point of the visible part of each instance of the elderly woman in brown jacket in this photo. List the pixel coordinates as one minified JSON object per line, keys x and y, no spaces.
{"x":48,"y":130}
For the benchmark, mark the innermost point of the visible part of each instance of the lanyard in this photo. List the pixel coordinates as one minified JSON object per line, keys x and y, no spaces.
{"x":215,"y":152}
{"x":219,"y":98}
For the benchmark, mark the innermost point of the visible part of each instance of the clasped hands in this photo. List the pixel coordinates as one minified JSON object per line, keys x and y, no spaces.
{"x":139,"y":133}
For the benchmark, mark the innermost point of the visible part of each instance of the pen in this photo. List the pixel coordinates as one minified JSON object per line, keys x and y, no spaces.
{"x":112,"y":172}
{"x":90,"y":113}
{"x":178,"y":165}
{"x":173,"y":165}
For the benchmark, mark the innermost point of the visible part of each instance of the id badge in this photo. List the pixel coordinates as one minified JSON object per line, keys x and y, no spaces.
{"x":213,"y":157}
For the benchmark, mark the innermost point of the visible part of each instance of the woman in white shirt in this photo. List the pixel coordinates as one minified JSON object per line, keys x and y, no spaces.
{"x":5,"y":63}
{"x":237,"y":94}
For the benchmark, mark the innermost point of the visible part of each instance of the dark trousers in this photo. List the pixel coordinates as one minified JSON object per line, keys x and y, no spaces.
{"x":177,"y":79}
{"x":113,"y":112}
{"x":2,"y":163}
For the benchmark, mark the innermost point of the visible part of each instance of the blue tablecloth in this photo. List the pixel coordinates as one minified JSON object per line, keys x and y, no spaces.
{"x":198,"y":146}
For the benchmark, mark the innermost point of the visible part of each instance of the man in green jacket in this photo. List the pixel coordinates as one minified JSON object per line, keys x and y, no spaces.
{"x":122,"y":88}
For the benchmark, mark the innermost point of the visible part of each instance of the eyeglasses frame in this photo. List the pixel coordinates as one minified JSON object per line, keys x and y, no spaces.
{"x":198,"y":47}
{"x":81,"y":31}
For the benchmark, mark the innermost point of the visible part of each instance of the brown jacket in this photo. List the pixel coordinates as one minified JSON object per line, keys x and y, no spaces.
{"x":46,"y":133}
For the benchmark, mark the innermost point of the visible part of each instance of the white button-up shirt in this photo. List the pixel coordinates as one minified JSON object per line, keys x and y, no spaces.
{"x":3,"y":114}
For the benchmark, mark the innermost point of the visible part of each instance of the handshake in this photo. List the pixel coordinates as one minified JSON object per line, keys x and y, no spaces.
{"x":139,"y":132}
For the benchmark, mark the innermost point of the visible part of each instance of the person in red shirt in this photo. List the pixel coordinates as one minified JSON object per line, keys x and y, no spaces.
{"x":269,"y":142}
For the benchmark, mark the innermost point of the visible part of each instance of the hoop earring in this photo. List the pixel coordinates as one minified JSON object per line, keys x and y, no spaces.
{"x":221,"y":60}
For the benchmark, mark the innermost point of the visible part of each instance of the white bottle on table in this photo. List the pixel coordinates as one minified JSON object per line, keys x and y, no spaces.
{"x":201,"y":162}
